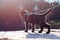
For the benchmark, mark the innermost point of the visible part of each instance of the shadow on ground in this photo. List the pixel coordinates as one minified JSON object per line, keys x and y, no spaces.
{"x":47,"y":36}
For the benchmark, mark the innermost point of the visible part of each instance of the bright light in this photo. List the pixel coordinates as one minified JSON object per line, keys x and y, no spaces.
{"x":35,"y":8}
{"x":50,"y":1}
{"x":20,"y":7}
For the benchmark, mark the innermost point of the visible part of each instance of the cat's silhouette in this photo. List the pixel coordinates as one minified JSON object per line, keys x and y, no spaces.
{"x":39,"y":19}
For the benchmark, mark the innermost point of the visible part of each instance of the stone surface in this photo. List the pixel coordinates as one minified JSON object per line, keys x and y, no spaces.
{"x":21,"y":35}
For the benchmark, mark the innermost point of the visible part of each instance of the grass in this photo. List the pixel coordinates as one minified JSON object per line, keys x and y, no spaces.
{"x":55,"y":24}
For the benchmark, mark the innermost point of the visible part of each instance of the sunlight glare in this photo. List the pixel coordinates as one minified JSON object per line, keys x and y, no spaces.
{"x":51,"y":1}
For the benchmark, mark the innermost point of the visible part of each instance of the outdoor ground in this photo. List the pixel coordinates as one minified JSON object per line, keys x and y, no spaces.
{"x":21,"y":35}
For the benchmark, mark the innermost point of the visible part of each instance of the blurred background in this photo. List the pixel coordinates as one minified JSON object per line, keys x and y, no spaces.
{"x":10,"y":16}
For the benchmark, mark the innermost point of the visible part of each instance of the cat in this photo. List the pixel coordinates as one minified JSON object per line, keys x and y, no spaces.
{"x":39,"y":19}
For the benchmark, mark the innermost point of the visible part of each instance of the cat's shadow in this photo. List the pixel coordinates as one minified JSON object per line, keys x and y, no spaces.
{"x":48,"y":36}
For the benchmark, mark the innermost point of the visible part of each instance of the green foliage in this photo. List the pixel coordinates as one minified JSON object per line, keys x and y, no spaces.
{"x":55,"y":24}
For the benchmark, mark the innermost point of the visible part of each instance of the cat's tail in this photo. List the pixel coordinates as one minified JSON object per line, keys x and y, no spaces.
{"x":50,"y":10}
